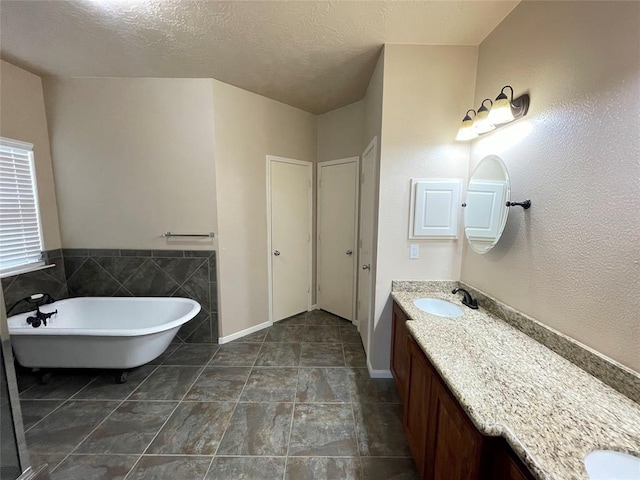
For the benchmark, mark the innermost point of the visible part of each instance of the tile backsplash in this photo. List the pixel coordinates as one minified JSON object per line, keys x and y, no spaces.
{"x":135,"y":273}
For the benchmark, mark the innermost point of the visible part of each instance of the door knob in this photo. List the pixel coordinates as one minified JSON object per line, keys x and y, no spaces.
{"x":349,"y":252}
{"x":276,"y":253}
{"x":366,"y":267}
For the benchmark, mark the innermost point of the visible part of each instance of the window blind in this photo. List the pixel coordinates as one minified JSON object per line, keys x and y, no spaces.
{"x":20,"y":235}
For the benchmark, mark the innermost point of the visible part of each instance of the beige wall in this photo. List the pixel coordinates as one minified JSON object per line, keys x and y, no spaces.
{"x":426,"y":91}
{"x":372,"y":129}
{"x":133,"y":158}
{"x":340,"y":132}
{"x":572,"y":260}
{"x":22,"y":117}
{"x":373,"y":106}
{"x":247,"y":128}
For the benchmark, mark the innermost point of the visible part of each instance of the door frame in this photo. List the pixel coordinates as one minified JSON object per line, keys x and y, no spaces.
{"x":373,"y":145}
{"x":309,"y":165}
{"x":356,"y":251}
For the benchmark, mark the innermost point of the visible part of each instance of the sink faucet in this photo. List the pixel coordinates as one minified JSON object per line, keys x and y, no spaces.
{"x":467,"y":299}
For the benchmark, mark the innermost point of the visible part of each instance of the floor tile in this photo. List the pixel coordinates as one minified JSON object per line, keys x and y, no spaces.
{"x":323,"y":430}
{"x":52,"y":460}
{"x":246,"y":468}
{"x":315,"y":359}
{"x":170,"y":468}
{"x":239,"y":354}
{"x":195,"y":428}
{"x":312,"y":468}
{"x":320,"y":317}
{"x":279,"y":354}
{"x":258,"y":429}
{"x":35,"y":410}
{"x":63,"y":385}
{"x":321,"y":355}
{"x":94,"y":467}
{"x":167,"y":353}
{"x":350,"y":334}
{"x":25,"y":378}
{"x":300,"y":319}
{"x":65,"y":428}
{"x":388,"y":469}
{"x":271,"y":384}
{"x":316,"y":385}
{"x":166,"y":383}
{"x":192,"y":355}
{"x":129,"y":429}
{"x":257,"y":337}
{"x":285,"y":333}
{"x":354,"y":355}
{"x":365,"y":389}
{"x":105,"y":386}
{"x":217,"y":384}
{"x":380,"y":432}
{"x":320,"y":333}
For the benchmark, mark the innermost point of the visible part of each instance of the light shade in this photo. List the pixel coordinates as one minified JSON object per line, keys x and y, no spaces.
{"x":482,"y":123}
{"x":501,"y":110}
{"x":507,"y":110}
{"x":467,"y":130}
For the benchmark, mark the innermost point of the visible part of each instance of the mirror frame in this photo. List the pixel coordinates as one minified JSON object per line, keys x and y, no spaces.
{"x":504,"y":212}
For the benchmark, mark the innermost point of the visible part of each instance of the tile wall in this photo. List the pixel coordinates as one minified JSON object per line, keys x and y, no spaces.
{"x":129,"y":273}
{"x":50,"y":280}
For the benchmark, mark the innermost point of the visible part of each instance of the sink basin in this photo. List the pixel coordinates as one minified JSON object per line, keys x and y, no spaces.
{"x":610,"y":465}
{"x":438,"y":307}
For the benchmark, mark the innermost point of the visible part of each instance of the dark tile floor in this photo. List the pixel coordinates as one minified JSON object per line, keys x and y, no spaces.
{"x":294,"y":401}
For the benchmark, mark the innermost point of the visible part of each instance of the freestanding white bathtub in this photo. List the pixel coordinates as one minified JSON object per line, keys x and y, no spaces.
{"x":100,"y":332}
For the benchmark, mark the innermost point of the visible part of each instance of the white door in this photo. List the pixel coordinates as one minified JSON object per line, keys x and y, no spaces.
{"x":289,"y":215}
{"x":337,"y":220}
{"x":367,"y":200}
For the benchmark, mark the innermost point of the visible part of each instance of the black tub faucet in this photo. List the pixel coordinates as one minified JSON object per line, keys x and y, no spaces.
{"x":467,"y":299}
{"x":37,"y":299}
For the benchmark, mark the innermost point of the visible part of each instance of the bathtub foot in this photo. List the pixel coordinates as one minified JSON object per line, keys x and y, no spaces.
{"x":122,"y":377}
{"x":46,"y":377}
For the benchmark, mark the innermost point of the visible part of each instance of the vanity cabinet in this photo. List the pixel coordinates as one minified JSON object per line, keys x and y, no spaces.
{"x":399,"y":349}
{"x":444,"y":442}
{"x":416,"y":412}
{"x":454,"y":446}
{"x":505,"y":465}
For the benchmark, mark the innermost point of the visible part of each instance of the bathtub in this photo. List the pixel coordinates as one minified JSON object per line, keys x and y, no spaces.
{"x":100,"y":332}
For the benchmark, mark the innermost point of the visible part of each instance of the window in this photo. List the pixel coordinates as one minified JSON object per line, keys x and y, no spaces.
{"x":20,"y":230}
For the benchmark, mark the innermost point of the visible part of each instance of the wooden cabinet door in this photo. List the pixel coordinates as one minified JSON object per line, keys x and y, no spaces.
{"x":416,"y":404}
{"x":505,"y":465}
{"x":454,"y":446}
{"x":399,"y":351}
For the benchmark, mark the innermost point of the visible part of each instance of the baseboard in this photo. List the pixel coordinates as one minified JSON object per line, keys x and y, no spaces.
{"x":243,"y":333}
{"x":378,"y":373}
{"x":314,"y":307}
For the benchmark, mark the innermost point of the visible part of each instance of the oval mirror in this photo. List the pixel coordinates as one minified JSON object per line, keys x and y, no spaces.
{"x":485,"y":214}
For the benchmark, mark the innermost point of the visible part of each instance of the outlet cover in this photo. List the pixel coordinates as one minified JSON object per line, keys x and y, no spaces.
{"x":414,"y":251}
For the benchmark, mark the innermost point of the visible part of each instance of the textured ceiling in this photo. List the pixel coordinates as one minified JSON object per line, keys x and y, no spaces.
{"x":315,"y":55}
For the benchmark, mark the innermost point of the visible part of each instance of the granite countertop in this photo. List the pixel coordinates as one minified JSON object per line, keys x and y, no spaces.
{"x":550,"y":411}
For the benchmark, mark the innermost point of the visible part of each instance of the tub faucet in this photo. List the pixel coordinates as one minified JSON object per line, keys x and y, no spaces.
{"x":40,"y":318}
{"x":37,"y":299}
{"x":467,"y":299}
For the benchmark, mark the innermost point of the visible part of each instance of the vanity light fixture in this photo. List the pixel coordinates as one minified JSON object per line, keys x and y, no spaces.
{"x":482,"y":123}
{"x":505,"y":110}
{"x":467,"y":130}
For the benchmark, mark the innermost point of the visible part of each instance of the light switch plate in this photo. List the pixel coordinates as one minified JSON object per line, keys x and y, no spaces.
{"x":414,"y":251}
